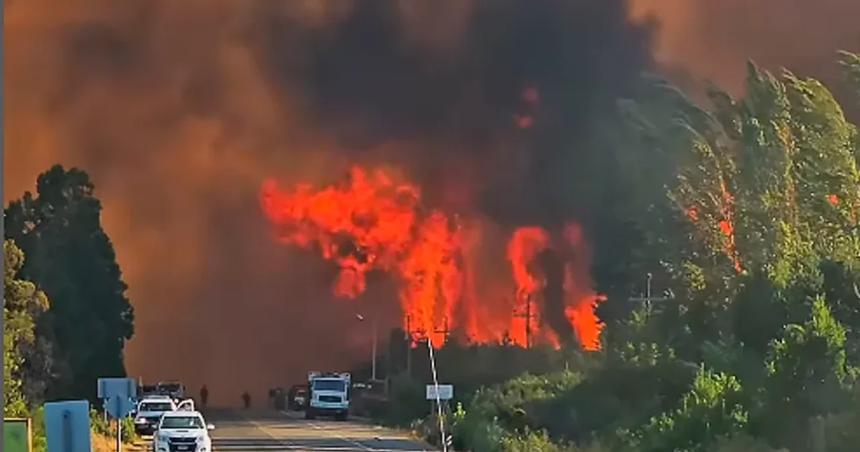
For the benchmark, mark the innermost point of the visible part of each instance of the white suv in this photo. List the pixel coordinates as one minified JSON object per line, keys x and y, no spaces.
{"x":182,"y":431}
{"x":149,"y":412}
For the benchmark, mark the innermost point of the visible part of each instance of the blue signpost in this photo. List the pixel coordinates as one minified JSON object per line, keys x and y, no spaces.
{"x":118,"y":395}
{"x":67,"y":426}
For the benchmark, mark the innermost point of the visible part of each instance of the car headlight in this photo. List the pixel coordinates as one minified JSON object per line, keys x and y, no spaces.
{"x":139,"y":420}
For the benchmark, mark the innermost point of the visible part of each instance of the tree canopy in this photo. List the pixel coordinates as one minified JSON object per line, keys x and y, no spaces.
{"x":23,"y":306}
{"x":746,"y":213}
{"x":71,"y":258}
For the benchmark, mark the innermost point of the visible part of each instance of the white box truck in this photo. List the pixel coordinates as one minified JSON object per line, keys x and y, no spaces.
{"x":328,"y":395}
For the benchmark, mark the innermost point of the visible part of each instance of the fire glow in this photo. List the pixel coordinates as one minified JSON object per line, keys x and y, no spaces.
{"x":374,"y":221}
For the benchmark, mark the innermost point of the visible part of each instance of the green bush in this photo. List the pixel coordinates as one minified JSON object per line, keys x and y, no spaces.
{"x":741,"y":443}
{"x":103,"y":427}
{"x":531,"y":441}
{"x":40,"y":441}
{"x":511,"y":415}
{"x":711,"y":409}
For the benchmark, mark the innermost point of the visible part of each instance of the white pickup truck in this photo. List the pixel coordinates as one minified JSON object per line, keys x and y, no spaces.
{"x":152,"y":408}
{"x":182,"y":431}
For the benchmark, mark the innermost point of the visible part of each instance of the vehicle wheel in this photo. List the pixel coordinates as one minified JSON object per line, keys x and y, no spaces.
{"x":309,"y":414}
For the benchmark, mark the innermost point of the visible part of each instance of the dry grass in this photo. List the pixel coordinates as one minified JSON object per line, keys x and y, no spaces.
{"x":103,"y":443}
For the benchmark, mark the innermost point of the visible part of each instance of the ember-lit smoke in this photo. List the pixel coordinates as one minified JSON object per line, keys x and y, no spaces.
{"x":179,"y":109}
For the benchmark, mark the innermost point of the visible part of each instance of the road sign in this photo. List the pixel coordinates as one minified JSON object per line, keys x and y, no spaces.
{"x":118,"y":395}
{"x":446,"y":392}
{"x":17,"y":435}
{"x":126,"y":387}
{"x":118,"y":406}
{"x":67,"y":426}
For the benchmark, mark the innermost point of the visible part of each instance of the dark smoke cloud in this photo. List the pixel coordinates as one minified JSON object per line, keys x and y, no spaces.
{"x":180,"y":109}
{"x":456,"y":107}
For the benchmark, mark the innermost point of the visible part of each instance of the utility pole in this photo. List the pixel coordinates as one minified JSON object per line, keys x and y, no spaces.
{"x":438,"y":400}
{"x":444,"y":331}
{"x":373,"y":365}
{"x":528,"y":315}
{"x":408,"y":339}
{"x":647,"y":299}
{"x":362,"y":318}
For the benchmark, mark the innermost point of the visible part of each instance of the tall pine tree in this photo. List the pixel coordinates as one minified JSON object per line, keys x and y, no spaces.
{"x":71,"y":258}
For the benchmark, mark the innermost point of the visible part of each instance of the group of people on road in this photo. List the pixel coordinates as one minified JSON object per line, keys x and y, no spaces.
{"x":204,"y":398}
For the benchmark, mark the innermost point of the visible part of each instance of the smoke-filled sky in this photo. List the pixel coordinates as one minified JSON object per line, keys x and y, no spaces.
{"x":179,"y":110}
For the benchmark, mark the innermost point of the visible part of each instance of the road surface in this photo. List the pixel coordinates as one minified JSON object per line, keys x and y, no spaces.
{"x":238,"y":430}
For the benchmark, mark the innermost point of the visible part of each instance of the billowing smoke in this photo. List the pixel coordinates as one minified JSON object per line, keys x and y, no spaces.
{"x":712,"y":40}
{"x":179,"y":110}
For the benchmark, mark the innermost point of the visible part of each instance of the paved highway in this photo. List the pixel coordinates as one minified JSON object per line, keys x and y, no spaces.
{"x":248,"y":431}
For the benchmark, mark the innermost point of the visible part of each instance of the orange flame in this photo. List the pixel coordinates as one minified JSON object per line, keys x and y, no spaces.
{"x":727,"y":225}
{"x":374,"y":221}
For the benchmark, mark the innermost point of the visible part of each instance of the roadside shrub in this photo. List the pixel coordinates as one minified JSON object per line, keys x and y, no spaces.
{"x":509,"y":416}
{"x":40,"y":441}
{"x":103,"y":427}
{"x":711,"y":409}
{"x":531,"y":441}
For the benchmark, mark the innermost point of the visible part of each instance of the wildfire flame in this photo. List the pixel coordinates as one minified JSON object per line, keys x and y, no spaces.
{"x":375,"y":221}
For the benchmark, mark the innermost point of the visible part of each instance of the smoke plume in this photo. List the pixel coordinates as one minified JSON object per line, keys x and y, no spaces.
{"x":179,"y":111}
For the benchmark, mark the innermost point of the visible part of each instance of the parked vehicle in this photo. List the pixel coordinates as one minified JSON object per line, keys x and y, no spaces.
{"x":149,"y":412}
{"x":329,"y":395}
{"x":182,"y":431}
{"x":298,"y":397}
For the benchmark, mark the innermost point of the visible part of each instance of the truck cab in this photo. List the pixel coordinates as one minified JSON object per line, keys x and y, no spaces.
{"x":328,"y":395}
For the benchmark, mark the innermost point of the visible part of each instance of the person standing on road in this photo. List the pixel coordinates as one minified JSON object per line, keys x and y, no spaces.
{"x":246,"y":399}
{"x":204,"y":395}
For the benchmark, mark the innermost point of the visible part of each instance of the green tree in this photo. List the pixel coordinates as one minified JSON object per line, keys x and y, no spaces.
{"x":807,"y":374}
{"x":749,"y":213}
{"x":711,"y":409}
{"x":73,"y":261}
{"x":759,"y":192}
{"x":24,"y":304}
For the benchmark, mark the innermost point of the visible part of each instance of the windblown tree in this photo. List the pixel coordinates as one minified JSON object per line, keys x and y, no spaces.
{"x":71,"y":258}
{"x":750,"y":212}
{"x":24,"y":304}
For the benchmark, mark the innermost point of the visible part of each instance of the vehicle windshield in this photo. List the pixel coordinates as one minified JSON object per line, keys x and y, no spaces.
{"x":329,"y":385}
{"x":156,"y":406}
{"x":178,"y":422}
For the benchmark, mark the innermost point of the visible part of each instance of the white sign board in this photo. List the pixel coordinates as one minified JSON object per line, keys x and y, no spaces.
{"x":446,"y":392}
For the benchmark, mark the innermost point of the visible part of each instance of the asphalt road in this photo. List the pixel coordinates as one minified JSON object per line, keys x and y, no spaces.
{"x":248,"y":431}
